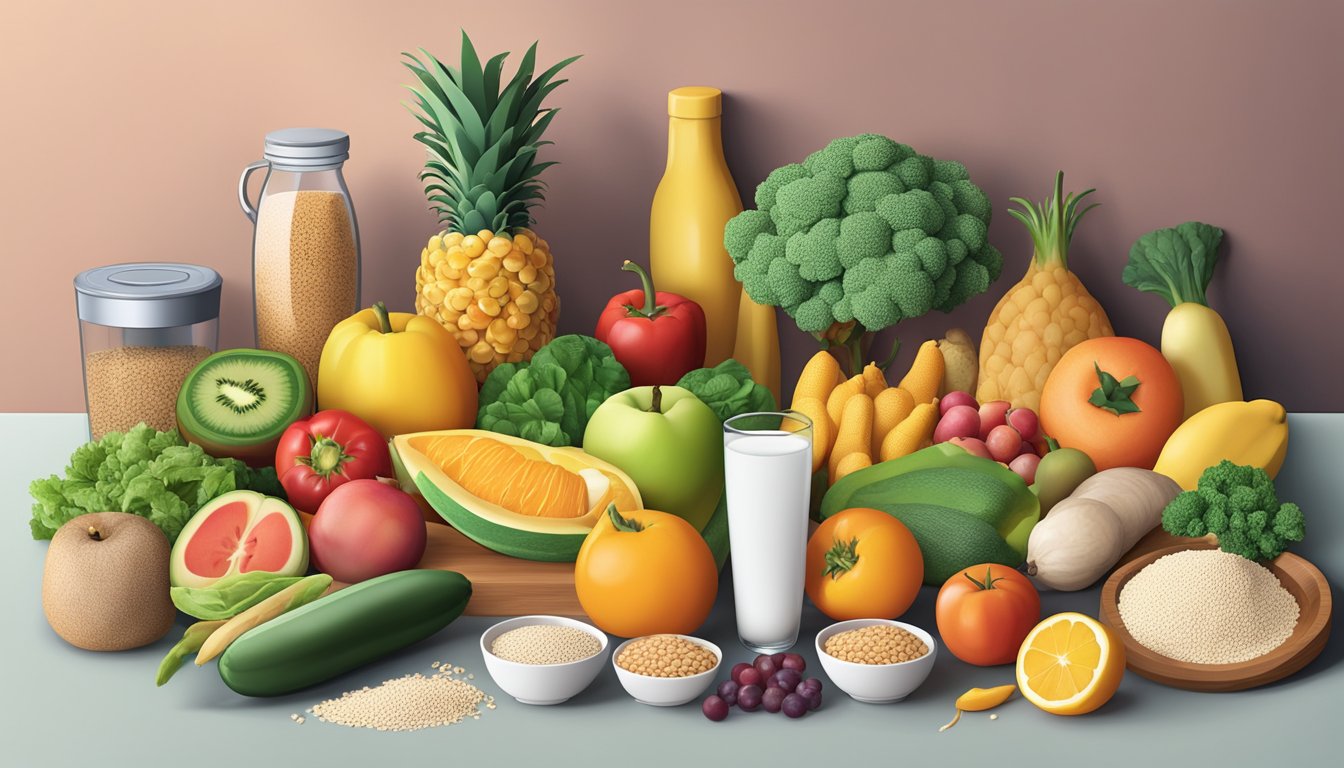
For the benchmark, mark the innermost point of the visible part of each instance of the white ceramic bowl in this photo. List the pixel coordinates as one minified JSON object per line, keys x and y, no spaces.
{"x":542,"y":683}
{"x":667,"y":691}
{"x":876,"y":683}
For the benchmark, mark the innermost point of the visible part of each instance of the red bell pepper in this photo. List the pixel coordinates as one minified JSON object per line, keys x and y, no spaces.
{"x":657,"y":336}
{"x":317,"y":455}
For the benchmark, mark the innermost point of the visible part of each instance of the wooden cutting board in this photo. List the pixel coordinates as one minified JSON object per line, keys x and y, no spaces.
{"x":500,"y":585}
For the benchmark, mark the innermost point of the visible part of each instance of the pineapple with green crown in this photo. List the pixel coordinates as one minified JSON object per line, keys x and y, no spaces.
{"x":487,"y":277}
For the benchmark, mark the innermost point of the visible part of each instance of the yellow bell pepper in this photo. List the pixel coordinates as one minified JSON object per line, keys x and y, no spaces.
{"x":398,"y":371}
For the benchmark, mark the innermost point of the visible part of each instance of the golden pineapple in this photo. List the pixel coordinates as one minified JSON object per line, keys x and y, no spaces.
{"x":487,"y":277}
{"x":495,"y":293}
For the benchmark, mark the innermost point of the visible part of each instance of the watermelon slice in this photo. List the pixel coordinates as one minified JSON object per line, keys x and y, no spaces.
{"x":238,"y":532}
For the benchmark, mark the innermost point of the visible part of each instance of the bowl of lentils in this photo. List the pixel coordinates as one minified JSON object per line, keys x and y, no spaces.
{"x":876,"y":661}
{"x":666,"y":670}
{"x":543,"y":659}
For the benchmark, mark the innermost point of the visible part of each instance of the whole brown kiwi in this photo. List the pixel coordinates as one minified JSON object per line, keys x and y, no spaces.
{"x":105,"y":583}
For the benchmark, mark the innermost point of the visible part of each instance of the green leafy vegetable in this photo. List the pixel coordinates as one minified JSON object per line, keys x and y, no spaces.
{"x":1175,"y":263}
{"x":144,"y":472}
{"x":728,"y":389}
{"x":550,"y":399}
{"x":191,"y":642}
{"x":1239,"y":505}
{"x":231,"y":595}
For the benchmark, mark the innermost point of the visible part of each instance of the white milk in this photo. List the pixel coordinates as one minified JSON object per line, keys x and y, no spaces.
{"x":769,"y":480}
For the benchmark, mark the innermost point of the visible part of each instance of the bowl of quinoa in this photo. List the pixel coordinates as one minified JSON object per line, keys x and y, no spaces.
{"x":876,"y":661}
{"x":543,"y":659}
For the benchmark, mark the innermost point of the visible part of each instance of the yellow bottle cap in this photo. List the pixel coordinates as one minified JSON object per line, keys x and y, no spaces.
{"x":694,"y":102}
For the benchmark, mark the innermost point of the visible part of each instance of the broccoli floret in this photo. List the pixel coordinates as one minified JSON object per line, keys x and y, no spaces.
{"x":765,"y":193}
{"x":867,"y":187}
{"x":1237,"y":504}
{"x":741,"y":231}
{"x":788,"y":287}
{"x":867,"y":231}
{"x":876,"y":153}
{"x":862,"y":236}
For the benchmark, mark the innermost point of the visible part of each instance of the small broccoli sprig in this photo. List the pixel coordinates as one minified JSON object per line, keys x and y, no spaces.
{"x":1237,"y":504}
{"x":865,"y":232}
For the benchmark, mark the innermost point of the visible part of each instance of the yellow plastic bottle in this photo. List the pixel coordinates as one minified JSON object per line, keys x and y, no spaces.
{"x":695,"y":199}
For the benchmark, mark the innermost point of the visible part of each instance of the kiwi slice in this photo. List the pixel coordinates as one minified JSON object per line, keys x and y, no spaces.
{"x":239,"y":401}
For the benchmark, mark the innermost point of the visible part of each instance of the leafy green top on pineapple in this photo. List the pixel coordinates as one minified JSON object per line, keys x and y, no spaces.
{"x":483,"y":135}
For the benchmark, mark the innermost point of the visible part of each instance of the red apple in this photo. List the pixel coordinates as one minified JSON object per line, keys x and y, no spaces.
{"x":992,"y":414}
{"x":1024,"y":420}
{"x":972,"y":445}
{"x":958,"y":421}
{"x":1025,"y":466}
{"x":953,"y":399}
{"x":366,"y":528}
{"x":1004,"y":443}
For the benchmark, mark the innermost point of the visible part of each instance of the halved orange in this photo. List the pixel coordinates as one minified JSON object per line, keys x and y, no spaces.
{"x":1070,"y":664}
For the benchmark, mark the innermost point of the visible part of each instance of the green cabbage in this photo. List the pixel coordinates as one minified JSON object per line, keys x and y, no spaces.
{"x":156,"y":475}
{"x":728,"y":389}
{"x":550,"y":399}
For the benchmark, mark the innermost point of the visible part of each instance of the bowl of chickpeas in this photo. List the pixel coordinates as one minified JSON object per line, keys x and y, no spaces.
{"x":876,"y":661}
{"x":666,"y":670}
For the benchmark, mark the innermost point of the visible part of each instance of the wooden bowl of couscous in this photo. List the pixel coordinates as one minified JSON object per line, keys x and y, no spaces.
{"x":1197,"y":618}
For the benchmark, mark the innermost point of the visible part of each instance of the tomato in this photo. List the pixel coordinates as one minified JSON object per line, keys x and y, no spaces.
{"x":863,"y":564}
{"x":644,"y":573}
{"x":985,"y":612}
{"x":1115,"y":399}
{"x":317,"y":455}
{"x":366,"y":528}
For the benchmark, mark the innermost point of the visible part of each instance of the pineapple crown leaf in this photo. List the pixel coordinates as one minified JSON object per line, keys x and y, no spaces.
{"x":1051,"y":223}
{"x":482,"y":135}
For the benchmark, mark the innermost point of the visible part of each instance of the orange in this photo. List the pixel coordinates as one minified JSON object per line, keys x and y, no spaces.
{"x":863,"y":564}
{"x":1070,"y":664}
{"x":645,"y":572}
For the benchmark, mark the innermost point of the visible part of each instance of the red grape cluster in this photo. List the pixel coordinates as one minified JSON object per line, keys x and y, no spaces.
{"x":772,"y":682}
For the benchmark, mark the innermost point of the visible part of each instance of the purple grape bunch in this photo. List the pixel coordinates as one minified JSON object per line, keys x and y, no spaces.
{"x":772,"y":682}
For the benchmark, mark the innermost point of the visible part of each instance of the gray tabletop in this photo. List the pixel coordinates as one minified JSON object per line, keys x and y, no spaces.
{"x":69,"y":707}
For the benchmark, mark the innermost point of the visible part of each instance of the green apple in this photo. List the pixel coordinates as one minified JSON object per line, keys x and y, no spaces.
{"x":668,"y":442}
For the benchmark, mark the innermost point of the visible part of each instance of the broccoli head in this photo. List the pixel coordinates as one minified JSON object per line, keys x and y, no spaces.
{"x":1239,"y":505}
{"x":867,"y":230}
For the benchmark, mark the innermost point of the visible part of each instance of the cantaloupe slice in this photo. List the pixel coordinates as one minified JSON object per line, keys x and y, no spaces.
{"x":511,"y":495}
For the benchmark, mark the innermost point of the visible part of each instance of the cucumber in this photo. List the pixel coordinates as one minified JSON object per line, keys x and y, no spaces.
{"x":343,"y":631}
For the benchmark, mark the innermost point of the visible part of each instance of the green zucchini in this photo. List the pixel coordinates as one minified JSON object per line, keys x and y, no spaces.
{"x":343,"y":631}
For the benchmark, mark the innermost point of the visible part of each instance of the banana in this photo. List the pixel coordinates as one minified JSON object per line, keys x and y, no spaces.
{"x":1254,"y":434}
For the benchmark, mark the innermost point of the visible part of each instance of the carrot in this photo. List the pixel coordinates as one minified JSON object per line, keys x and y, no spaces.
{"x":855,"y":434}
{"x":908,"y":436}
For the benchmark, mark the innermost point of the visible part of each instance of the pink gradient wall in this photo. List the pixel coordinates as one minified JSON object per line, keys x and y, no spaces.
{"x":125,"y":127}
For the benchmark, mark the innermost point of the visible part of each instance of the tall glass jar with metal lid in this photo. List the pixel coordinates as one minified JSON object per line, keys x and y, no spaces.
{"x":142,"y":328}
{"x":305,"y":247}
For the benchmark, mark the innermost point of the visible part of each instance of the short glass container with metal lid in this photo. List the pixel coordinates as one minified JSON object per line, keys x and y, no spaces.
{"x":142,"y":328}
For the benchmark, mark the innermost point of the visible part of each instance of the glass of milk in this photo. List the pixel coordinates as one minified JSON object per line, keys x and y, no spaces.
{"x":767,"y":461}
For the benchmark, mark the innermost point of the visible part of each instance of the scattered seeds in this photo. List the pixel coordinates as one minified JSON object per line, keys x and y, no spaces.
{"x":666,"y":656}
{"x":994,"y":716}
{"x":407,"y":703}
{"x":876,"y":644}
